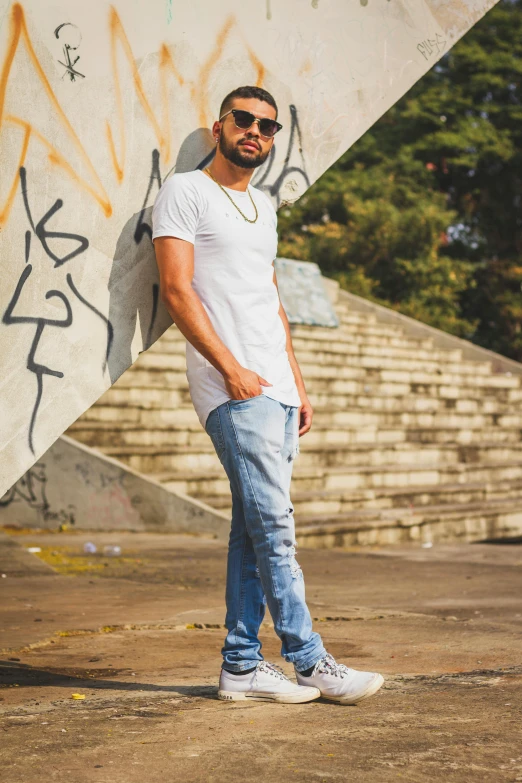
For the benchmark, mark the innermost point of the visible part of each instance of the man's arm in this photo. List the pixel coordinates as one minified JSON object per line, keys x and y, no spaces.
{"x":305,"y":410}
{"x":175,"y":259}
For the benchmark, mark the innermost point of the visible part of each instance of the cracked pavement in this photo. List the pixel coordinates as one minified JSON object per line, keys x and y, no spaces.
{"x":139,"y":637}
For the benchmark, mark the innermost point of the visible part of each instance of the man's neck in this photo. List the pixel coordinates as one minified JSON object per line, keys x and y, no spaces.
{"x":229,"y":175}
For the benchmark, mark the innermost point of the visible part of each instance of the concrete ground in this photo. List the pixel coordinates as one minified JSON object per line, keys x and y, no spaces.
{"x":139,"y":637}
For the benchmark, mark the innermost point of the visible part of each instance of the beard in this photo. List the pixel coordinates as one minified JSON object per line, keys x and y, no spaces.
{"x":241,"y":157}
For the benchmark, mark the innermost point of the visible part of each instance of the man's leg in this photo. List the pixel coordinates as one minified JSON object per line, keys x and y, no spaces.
{"x":256,"y":439}
{"x":245,"y":598}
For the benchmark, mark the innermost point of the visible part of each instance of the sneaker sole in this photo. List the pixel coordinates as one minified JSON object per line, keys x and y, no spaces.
{"x":281,"y":698}
{"x":370,"y":691}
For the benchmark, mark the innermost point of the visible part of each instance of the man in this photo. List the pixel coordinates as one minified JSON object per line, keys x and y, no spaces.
{"x":215,"y":239}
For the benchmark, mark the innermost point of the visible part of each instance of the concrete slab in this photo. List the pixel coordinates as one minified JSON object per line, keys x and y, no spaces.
{"x":74,"y":485}
{"x":16,"y":560}
{"x":140,"y":635}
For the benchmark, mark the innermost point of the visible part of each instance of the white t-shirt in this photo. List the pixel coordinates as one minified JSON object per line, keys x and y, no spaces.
{"x":233,"y":277}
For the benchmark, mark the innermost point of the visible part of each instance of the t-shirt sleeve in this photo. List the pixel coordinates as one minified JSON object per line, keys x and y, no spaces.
{"x":176,"y":210}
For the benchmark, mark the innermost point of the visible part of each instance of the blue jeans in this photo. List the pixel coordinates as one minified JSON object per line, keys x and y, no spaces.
{"x":256,"y":441}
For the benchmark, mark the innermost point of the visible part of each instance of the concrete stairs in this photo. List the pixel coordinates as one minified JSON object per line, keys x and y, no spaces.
{"x":410,"y":440}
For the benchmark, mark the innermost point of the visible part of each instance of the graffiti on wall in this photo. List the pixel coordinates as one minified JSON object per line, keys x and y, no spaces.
{"x":38,"y":228}
{"x":71,"y":38}
{"x":38,"y":232}
{"x":92,"y":182}
{"x":30,"y":491}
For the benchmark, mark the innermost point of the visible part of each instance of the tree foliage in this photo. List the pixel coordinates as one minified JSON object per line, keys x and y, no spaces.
{"x":423,"y":214}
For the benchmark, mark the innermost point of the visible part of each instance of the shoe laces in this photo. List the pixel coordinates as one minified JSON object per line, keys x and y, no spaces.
{"x":272,"y":669}
{"x":328,"y":665}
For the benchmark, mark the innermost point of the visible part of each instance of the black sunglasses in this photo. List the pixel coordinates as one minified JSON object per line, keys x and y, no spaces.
{"x":245,"y":119}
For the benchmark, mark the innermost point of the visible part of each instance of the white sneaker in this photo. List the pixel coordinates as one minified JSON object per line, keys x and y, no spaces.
{"x":266,"y":682}
{"x":339,"y":683}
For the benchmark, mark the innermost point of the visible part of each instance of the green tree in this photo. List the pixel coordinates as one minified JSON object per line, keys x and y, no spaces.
{"x":423,"y":214}
{"x":379,"y":230}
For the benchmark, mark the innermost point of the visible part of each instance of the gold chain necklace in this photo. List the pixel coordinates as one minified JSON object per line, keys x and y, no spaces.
{"x":233,"y":202}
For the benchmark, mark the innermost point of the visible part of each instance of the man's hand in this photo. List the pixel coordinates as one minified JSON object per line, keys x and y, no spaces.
{"x":305,"y":414}
{"x":242,"y":383}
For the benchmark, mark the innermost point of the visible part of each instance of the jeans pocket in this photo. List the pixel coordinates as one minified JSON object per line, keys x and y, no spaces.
{"x":215,"y":432}
{"x":236,"y":403}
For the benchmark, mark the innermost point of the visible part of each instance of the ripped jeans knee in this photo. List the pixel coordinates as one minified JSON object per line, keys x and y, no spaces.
{"x":295,"y":568}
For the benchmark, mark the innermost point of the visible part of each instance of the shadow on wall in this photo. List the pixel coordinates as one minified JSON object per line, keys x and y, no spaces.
{"x":134,"y":301}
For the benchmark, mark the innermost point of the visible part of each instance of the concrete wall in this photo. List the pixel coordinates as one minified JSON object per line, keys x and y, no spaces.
{"x":100,"y":102}
{"x":77,"y":486}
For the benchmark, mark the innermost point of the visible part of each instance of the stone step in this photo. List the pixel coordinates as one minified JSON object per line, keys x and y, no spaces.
{"x":348,"y":380}
{"x":332,"y":341}
{"x":356,"y":479}
{"x":396,"y":385}
{"x":159,"y":459}
{"x":160,"y":360}
{"x":185,"y":418}
{"x":341,"y":364}
{"x":409,"y":434}
{"x":173,"y":341}
{"x":354,"y":316}
{"x":437,"y":523}
{"x":334,"y":352}
{"x":100,"y":434}
{"x":361,"y":322}
{"x":140,"y":378}
{"x":336,"y":502}
{"x":376,"y":375}
{"x":448,"y":418}
{"x":390,"y":396}
{"x":373,"y":356}
{"x":343,"y":307}
{"x":347,"y":327}
{"x":144,"y":398}
{"x":363,"y":329}
{"x":179,"y":418}
{"x":339,"y":338}
{"x":115,"y":400}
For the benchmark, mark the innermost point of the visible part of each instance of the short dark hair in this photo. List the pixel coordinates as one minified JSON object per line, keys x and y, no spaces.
{"x":246,"y":92}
